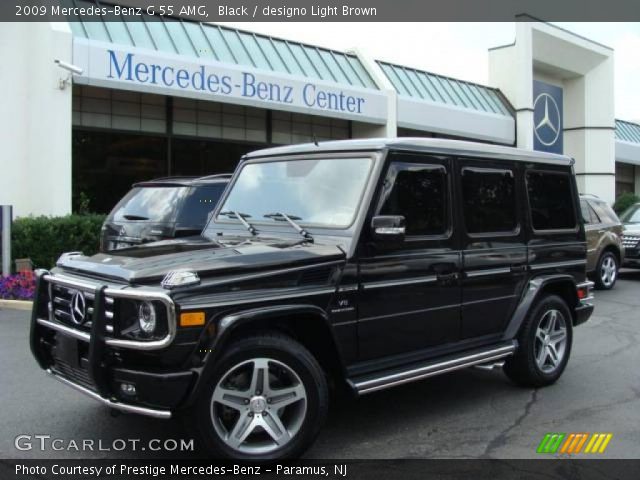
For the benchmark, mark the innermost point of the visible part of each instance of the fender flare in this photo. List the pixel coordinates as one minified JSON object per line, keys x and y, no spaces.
{"x":530,"y":295}
{"x":229,"y":322}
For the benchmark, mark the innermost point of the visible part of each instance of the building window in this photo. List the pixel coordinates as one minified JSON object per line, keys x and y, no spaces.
{"x":198,"y":118}
{"x":625,"y":178}
{"x":290,"y":128}
{"x":118,"y":110}
{"x":550,"y":200}
{"x":489,"y":200}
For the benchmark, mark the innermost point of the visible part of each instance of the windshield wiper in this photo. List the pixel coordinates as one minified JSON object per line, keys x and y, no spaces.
{"x":289,"y":218}
{"x":240,"y":216}
{"x":135,"y":217}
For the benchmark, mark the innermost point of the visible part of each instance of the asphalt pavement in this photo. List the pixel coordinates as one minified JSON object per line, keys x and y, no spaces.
{"x":466,"y":414}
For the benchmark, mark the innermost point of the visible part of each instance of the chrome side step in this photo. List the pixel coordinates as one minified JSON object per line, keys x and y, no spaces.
{"x":432,"y":368}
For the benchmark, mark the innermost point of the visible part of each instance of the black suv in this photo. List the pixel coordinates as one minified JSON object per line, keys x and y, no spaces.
{"x":160,"y":209}
{"x":362,"y":264}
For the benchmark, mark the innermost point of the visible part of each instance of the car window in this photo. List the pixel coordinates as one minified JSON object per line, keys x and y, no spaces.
{"x":631,"y":214}
{"x":198,"y":202}
{"x":155,"y":204}
{"x":550,"y":200}
{"x":489,"y":200}
{"x":418,"y":192}
{"x":605,"y":212}
{"x":588,"y":215}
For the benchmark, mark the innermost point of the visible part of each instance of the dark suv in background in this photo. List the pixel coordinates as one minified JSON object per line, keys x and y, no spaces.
{"x":605,"y":251}
{"x":362,"y":264}
{"x":161,"y":209}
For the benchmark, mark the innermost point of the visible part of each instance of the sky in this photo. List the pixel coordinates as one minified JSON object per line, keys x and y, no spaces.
{"x":461,"y":49}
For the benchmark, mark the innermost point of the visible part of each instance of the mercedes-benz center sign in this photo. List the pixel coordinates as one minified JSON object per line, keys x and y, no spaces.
{"x":547,"y":117}
{"x":105,"y":65}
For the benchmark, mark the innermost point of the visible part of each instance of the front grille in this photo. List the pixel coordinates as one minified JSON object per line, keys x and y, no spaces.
{"x":74,"y":374}
{"x":630,"y":241}
{"x":62,"y":309}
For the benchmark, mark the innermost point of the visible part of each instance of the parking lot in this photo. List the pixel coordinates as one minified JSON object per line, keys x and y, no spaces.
{"x":467,"y":414}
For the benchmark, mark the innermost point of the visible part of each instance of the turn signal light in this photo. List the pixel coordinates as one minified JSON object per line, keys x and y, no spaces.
{"x":191,"y":319}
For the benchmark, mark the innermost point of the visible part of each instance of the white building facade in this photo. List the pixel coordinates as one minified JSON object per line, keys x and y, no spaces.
{"x":170,"y":97}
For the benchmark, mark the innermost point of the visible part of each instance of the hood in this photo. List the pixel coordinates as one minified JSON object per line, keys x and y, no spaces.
{"x":152,"y":261}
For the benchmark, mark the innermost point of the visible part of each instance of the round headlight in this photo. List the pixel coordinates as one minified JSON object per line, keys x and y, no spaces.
{"x":147,"y":317}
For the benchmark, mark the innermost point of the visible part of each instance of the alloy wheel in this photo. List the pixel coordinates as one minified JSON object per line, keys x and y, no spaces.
{"x":258,"y":406}
{"x":551,"y":341}
{"x":608,"y":271}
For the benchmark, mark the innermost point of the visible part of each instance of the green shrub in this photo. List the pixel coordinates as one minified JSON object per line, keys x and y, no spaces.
{"x":624,"y":201}
{"x":43,"y":239}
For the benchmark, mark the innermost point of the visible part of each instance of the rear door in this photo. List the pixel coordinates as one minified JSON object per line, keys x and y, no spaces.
{"x":494,"y":247}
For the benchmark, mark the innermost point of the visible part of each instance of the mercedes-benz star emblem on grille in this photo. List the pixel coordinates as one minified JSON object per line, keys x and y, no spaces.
{"x":78,"y":308}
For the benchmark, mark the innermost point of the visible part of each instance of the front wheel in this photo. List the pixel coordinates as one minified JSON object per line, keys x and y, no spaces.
{"x":266,"y":400}
{"x":544,"y":344}
{"x":606,"y":271}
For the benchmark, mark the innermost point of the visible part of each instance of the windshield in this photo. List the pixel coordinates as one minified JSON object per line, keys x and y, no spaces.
{"x":322,"y":192}
{"x":631,"y":214}
{"x":156,"y":204}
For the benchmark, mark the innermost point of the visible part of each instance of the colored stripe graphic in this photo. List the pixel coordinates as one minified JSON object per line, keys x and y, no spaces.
{"x":573,"y":443}
{"x":550,"y":443}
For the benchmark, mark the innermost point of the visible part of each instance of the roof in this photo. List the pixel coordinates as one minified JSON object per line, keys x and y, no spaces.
{"x":627,"y":131}
{"x":228,"y":45}
{"x":422,"y":85}
{"x":185,"y":181}
{"x":431,"y":145}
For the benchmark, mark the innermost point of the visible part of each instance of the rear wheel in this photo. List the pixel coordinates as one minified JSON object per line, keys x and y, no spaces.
{"x":544,"y":344}
{"x":267,"y":399}
{"x":606,"y":271}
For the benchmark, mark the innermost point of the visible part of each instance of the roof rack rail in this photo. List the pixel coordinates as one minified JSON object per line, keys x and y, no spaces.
{"x":217,"y":175}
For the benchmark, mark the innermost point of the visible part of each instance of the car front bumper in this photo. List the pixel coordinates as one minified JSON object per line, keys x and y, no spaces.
{"x":91,"y":363}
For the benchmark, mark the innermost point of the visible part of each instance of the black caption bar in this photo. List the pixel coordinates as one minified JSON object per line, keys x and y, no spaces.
{"x":558,"y":468}
{"x":323,"y":10}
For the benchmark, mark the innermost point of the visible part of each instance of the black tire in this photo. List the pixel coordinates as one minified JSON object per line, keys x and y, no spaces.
{"x":279,"y":349}
{"x":522,"y":368}
{"x":602,"y":281}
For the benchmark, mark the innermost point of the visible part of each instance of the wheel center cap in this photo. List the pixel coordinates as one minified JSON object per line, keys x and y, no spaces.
{"x":258,"y":404}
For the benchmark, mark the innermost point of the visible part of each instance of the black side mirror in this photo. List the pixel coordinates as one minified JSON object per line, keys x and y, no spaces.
{"x":388,"y":229}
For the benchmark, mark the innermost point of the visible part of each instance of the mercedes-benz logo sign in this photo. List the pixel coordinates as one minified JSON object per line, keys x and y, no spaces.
{"x":78,"y":308}
{"x":547,"y":128}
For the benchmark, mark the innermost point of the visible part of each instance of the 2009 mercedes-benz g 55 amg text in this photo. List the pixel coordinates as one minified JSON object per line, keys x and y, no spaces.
{"x":371,"y":263}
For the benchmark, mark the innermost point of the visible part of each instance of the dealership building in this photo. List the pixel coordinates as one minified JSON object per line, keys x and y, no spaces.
{"x":92,"y":106}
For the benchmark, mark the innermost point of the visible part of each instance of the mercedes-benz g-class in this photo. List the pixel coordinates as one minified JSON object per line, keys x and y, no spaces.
{"x":364,"y":264}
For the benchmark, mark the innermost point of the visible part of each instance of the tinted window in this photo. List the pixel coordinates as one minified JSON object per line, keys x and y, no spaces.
{"x":550,"y":201}
{"x":198,"y":203}
{"x":605,"y":212}
{"x":419,"y":193}
{"x":489,"y":200}
{"x":156,"y":204}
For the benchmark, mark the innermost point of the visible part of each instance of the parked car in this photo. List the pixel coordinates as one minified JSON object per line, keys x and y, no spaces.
{"x":605,"y":249}
{"x":631,"y":235}
{"x":363,"y":264}
{"x":160,"y":209}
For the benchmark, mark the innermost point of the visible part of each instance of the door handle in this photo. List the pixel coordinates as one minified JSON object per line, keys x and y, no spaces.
{"x":447,"y":277}
{"x":519,"y":268}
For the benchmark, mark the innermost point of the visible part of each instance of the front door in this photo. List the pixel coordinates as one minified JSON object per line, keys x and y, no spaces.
{"x":410,"y":294}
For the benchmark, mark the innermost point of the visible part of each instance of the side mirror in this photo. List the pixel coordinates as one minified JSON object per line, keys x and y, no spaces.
{"x":388,"y":229}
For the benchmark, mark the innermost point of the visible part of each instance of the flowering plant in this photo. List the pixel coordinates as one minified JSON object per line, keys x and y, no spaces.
{"x":20,"y":286}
